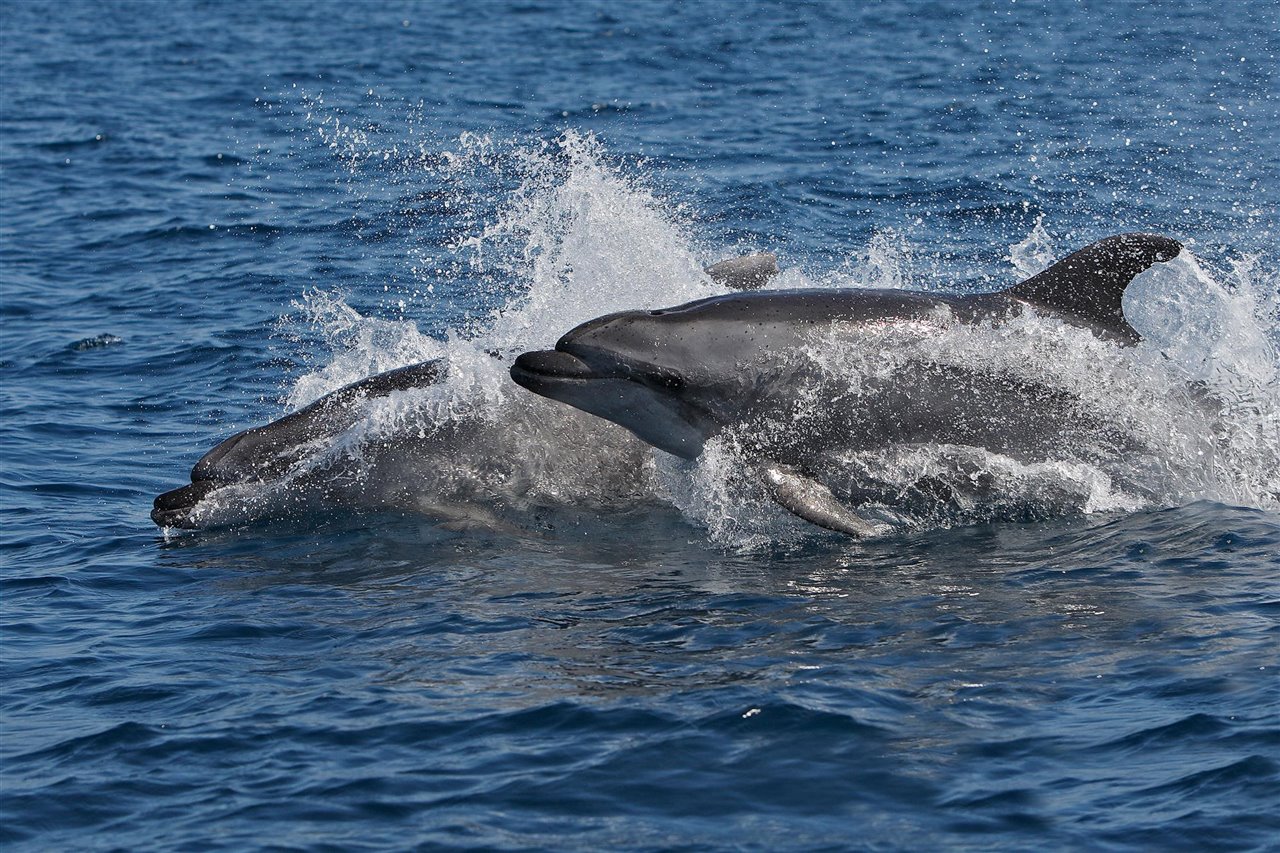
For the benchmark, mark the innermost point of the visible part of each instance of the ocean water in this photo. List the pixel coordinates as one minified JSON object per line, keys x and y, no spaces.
{"x":477,"y":619}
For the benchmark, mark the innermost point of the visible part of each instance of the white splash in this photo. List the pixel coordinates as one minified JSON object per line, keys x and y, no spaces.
{"x":1034,"y":253}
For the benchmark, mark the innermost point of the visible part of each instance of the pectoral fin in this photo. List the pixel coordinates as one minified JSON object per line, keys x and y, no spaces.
{"x":469,"y":518}
{"x":814,"y":502}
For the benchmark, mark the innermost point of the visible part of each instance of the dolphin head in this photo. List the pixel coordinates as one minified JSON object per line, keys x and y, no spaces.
{"x":638,"y":369}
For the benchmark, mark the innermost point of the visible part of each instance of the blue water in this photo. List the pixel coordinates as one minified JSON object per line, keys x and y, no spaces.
{"x":213,"y":213}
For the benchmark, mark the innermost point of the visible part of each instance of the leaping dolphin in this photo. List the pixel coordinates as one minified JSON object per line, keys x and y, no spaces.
{"x":678,"y":377}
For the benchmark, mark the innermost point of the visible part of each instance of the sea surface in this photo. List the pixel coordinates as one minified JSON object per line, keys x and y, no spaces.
{"x":481,"y":620}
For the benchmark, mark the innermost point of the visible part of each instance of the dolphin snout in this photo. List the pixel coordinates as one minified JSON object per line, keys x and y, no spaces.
{"x":551,"y":373}
{"x":551,"y":363}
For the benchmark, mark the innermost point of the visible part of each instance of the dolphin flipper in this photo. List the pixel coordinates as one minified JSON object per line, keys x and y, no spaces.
{"x":750,"y":272}
{"x":814,"y":502}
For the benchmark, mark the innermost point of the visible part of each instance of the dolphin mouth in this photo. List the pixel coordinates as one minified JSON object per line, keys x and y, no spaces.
{"x":553,"y":373}
{"x":551,"y":365}
{"x":175,"y":508}
{"x":543,"y":371}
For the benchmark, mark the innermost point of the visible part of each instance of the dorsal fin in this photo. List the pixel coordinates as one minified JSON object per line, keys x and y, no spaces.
{"x":1089,"y":284}
{"x":750,"y":272}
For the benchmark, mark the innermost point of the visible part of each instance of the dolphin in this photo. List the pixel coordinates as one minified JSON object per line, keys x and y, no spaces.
{"x":736,"y":365}
{"x":265,"y":454}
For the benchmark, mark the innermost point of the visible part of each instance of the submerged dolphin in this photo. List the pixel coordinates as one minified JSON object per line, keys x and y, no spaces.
{"x":265,"y":454}
{"x":680,"y":376}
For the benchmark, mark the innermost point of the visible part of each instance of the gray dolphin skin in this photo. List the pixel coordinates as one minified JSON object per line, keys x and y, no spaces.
{"x":264,"y":454}
{"x":679,"y":376}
